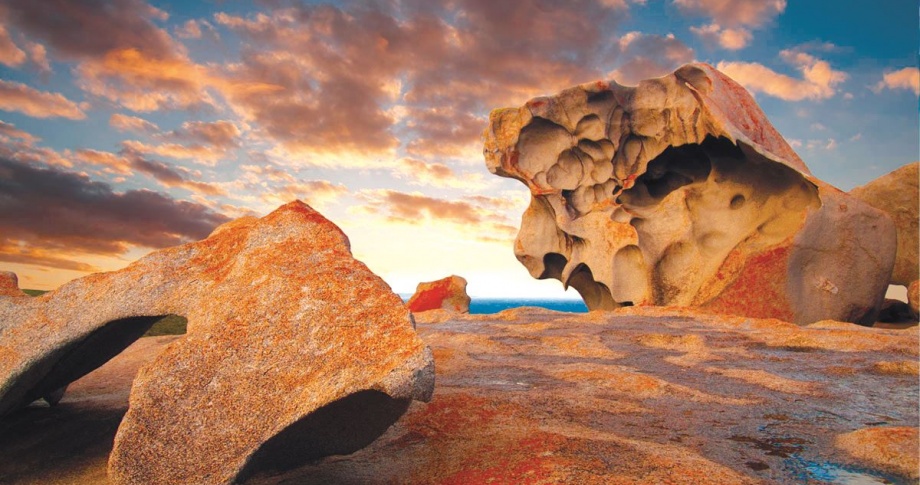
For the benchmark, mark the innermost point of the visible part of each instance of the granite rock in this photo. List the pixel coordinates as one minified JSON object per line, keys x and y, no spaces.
{"x":636,"y":395}
{"x":445,"y":294}
{"x":679,"y":192}
{"x":898,"y":195}
{"x":294,"y":351}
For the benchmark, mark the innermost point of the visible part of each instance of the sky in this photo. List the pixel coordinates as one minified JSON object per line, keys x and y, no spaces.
{"x":131,"y":125}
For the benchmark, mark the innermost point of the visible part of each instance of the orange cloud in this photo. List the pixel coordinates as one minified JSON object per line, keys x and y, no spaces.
{"x":221,"y":134}
{"x":436,"y":174}
{"x":141,"y":82}
{"x":203,"y":154}
{"x":906,"y":78}
{"x":9,"y":130}
{"x":10,"y":53}
{"x":38,"y":104}
{"x":132,"y":123}
{"x":735,"y":12}
{"x":819,"y":80}
{"x":130,"y":162}
{"x":727,"y":38}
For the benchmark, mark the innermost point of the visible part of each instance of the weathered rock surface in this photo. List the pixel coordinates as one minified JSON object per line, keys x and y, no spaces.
{"x":444,"y":294}
{"x":913,"y":297}
{"x":898,"y":195}
{"x":9,"y":284}
{"x":679,"y":192}
{"x":639,"y":395}
{"x":294,"y":350}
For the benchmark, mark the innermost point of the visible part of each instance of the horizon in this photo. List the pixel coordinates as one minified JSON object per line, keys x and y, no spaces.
{"x":143,"y":125}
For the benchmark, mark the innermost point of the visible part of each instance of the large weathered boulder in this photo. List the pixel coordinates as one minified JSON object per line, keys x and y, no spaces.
{"x":679,"y":192}
{"x":445,"y":294}
{"x":898,"y":195}
{"x":294,"y":350}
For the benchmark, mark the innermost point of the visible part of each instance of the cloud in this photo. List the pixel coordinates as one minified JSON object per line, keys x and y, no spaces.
{"x":92,"y":28}
{"x":132,"y":123}
{"x":727,"y":38}
{"x":415,"y":208}
{"x":325,"y":79}
{"x":644,"y":56}
{"x":316,"y":193}
{"x":48,"y":212}
{"x":9,"y":130}
{"x":128,"y":162}
{"x":734,"y":13}
{"x":219,"y":134}
{"x":419,"y":172}
{"x":200,"y":141}
{"x":444,"y":132}
{"x":10,"y":53}
{"x":39,"y":56}
{"x":819,"y":80}
{"x":189,"y":30}
{"x":38,"y":104}
{"x":141,"y":82}
{"x":906,"y":78}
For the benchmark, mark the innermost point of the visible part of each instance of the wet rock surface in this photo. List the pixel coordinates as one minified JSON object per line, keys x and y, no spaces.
{"x":640,"y":395}
{"x":679,"y":191}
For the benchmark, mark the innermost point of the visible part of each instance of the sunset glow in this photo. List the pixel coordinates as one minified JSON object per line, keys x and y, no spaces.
{"x":127,"y":125}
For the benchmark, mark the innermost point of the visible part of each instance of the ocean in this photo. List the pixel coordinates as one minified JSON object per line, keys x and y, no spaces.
{"x":494,"y":305}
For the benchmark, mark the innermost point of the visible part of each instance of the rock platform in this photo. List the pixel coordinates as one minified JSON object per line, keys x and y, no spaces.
{"x":637,"y":395}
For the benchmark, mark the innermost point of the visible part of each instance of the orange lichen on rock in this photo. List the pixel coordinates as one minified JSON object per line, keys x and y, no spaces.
{"x":292,"y":344}
{"x":518,"y":402}
{"x":9,"y":284}
{"x":892,"y":448}
{"x":444,"y":294}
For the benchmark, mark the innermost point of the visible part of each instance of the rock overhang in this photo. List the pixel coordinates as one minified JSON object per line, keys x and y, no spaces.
{"x":601,"y":157}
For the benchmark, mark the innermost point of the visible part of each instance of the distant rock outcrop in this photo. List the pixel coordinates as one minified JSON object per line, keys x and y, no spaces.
{"x":898,"y":195}
{"x":679,"y":192}
{"x":445,"y":294}
{"x":9,"y":284}
{"x":294,"y":351}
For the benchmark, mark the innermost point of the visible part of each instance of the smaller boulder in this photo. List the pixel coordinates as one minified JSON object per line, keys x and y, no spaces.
{"x":898,"y":195}
{"x":9,"y":284}
{"x":444,"y":294}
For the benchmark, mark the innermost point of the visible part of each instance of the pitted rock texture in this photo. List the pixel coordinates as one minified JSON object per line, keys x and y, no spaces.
{"x":638,"y":395}
{"x":445,"y":294}
{"x":294,"y":350}
{"x":898,"y":195}
{"x":679,"y":192}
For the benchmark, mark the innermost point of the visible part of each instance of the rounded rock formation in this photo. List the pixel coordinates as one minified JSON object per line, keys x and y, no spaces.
{"x":898,"y":195}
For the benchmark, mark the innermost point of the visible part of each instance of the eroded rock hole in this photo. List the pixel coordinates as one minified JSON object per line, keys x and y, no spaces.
{"x":596,"y":295}
{"x":674,"y":168}
{"x":553,"y":264}
{"x":82,"y":357}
